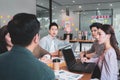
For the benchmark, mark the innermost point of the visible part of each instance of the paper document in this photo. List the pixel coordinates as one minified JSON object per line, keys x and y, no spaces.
{"x":66,"y":75}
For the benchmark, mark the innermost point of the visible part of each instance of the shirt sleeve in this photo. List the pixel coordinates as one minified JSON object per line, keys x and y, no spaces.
{"x":92,"y":49}
{"x":109,"y":67}
{"x":62,"y":43}
{"x":42,"y":42}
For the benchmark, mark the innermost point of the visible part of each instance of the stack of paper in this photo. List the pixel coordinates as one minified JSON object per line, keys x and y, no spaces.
{"x":66,"y":75}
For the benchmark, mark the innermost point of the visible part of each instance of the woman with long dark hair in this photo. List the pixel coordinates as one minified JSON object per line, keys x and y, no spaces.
{"x":5,"y":40}
{"x":107,"y":62}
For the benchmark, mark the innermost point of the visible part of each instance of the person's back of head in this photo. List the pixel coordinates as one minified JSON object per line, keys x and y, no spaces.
{"x":96,"y":24}
{"x":22,"y":28}
{"x":53,"y":24}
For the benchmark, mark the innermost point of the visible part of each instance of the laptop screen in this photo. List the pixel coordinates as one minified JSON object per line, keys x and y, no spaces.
{"x":69,"y":57}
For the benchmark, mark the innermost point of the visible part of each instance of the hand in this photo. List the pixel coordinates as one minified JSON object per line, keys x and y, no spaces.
{"x":84,"y":59}
{"x":82,"y":54}
{"x":55,"y":54}
{"x":46,"y":60}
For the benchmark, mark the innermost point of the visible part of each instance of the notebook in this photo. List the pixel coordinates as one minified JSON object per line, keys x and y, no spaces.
{"x":76,"y":66}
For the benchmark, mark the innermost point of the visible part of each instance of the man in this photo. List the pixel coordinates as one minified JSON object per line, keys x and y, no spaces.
{"x":50,"y":42}
{"x":96,"y":49}
{"x":20,"y":63}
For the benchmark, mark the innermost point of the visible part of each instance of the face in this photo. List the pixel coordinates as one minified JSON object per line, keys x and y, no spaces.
{"x":103,"y":37}
{"x":8,"y":39}
{"x":94,"y":32}
{"x":53,"y":31}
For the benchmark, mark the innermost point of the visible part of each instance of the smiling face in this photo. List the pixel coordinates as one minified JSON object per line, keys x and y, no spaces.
{"x":53,"y":31}
{"x":103,"y":37}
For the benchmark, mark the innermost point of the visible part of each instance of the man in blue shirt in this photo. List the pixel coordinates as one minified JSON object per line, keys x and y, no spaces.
{"x":20,"y":63}
{"x":51,"y":43}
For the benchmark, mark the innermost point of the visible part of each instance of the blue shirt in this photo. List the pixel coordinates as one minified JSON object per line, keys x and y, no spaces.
{"x":46,"y":43}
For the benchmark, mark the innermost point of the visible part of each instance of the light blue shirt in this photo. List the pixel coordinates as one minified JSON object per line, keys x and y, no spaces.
{"x":46,"y":43}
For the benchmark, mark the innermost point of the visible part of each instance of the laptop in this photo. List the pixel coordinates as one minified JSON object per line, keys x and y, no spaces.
{"x":76,"y":66}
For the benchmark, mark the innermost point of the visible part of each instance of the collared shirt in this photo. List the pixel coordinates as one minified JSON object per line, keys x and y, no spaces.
{"x":46,"y":43}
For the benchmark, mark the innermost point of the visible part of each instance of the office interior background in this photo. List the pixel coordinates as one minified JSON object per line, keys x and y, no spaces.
{"x":78,"y":13}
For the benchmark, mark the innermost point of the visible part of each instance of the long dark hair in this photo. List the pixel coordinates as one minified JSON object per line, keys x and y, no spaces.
{"x":3,"y":44}
{"x":108,"y":29}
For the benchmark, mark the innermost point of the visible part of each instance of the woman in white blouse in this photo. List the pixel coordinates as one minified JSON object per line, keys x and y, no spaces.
{"x":107,"y":62}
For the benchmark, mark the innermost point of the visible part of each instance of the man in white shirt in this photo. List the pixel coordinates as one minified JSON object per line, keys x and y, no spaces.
{"x":50,"y":42}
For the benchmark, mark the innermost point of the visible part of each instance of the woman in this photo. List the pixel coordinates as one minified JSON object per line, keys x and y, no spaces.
{"x":5,"y":40}
{"x":107,"y":62}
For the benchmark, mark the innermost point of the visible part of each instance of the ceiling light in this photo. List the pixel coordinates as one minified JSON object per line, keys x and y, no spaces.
{"x":73,"y":1}
{"x":62,"y":10}
{"x":99,"y":4}
{"x":110,"y":4}
{"x":80,"y":6}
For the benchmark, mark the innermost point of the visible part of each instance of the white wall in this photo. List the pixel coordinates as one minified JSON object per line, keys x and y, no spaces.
{"x":9,"y":8}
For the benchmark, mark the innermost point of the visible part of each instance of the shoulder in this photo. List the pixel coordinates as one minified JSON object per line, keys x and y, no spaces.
{"x":4,"y":54}
{"x":110,"y":52}
{"x":3,"y":57}
{"x":43,"y":69}
{"x":45,"y":37}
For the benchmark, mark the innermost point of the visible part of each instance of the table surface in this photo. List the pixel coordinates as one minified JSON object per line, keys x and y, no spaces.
{"x":83,"y":41}
{"x":86,"y":76}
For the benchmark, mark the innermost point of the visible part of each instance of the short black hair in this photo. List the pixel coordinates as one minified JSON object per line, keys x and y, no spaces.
{"x":22,"y":28}
{"x":53,"y":24}
{"x":96,"y":24}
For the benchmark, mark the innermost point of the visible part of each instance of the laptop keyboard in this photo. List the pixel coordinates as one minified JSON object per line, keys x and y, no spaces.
{"x":83,"y":67}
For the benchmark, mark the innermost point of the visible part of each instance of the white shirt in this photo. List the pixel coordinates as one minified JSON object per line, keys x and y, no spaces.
{"x":52,"y":48}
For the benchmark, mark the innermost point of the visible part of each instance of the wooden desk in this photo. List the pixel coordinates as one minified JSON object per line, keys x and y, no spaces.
{"x":86,"y":76}
{"x":82,"y":41}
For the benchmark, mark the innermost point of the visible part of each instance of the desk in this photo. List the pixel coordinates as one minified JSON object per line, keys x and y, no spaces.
{"x":86,"y":76}
{"x":82,"y":41}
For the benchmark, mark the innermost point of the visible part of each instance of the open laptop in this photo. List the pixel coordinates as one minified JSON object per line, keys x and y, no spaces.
{"x":75,"y":66}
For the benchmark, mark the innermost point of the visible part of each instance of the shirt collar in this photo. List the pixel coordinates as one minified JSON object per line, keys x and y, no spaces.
{"x":51,"y":37}
{"x":21,"y":50}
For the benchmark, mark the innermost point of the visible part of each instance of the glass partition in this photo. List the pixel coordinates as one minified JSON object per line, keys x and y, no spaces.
{"x":91,"y":16}
{"x":42,"y":7}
